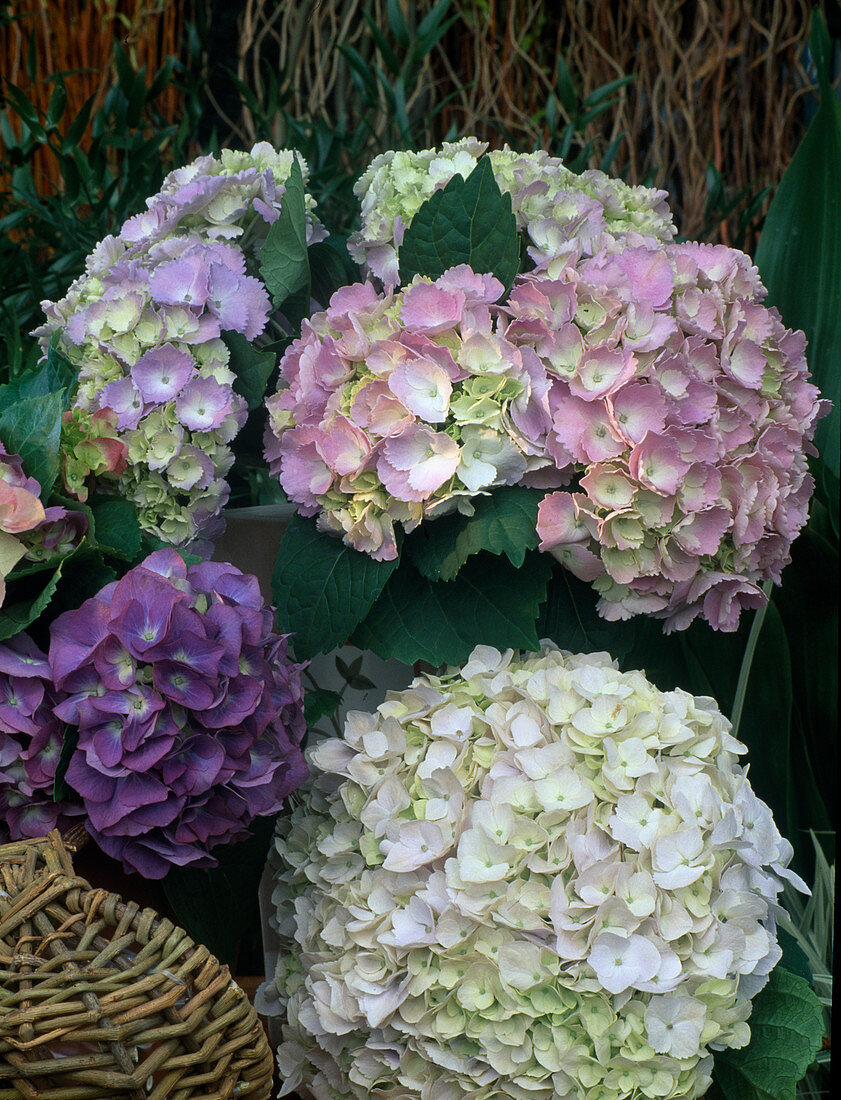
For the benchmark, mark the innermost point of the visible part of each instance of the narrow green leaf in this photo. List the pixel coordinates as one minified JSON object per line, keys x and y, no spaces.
{"x":786,"y":1026}
{"x":57,"y":104}
{"x":502,"y":523}
{"x":467,"y":222}
{"x":397,"y":22}
{"x":251,"y":365}
{"x":489,"y":603}
{"x":25,"y":110}
{"x":284,"y":266}
{"x":799,"y":253}
{"x":160,"y":80}
{"x":431,"y":22}
{"x":322,"y":588}
{"x":566,"y":89}
{"x":125,"y":71}
{"x":604,"y":91}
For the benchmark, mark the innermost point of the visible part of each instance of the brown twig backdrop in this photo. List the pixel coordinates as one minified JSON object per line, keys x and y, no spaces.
{"x":718,"y":81}
{"x":75,"y":37}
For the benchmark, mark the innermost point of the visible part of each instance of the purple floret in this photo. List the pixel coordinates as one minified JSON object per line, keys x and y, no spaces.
{"x":30,"y":744}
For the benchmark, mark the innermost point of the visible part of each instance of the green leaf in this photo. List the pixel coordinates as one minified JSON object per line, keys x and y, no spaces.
{"x":322,"y":588}
{"x":218,"y":906}
{"x":252,"y":366}
{"x":765,"y":725}
{"x":31,"y":428}
{"x":25,"y":110}
{"x":799,"y":252}
{"x":117,"y":529}
{"x":331,"y":268}
{"x":467,"y":222}
{"x":808,"y":604}
{"x":786,"y":1026}
{"x":502,"y":523}
{"x":489,"y":603}
{"x":15,"y":617}
{"x":570,"y":619}
{"x":57,"y":104}
{"x":794,"y":958}
{"x":284,"y":266}
{"x":320,"y":703}
{"x":56,"y":375}
{"x":78,"y":126}
{"x":70,"y":740}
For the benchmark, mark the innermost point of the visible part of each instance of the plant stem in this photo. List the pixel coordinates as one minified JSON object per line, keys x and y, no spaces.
{"x":747,"y":660}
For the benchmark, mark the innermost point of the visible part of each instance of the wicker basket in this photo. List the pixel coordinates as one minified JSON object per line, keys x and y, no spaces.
{"x":99,"y":998}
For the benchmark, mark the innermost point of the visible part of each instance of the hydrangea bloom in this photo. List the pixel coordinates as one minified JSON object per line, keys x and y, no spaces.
{"x":534,"y":877}
{"x":20,"y":510}
{"x":90,"y":449}
{"x":561,"y":213}
{"x":30,"y":744}
{"x":143,"y":327}
{"x":684,"y":406}
{"x":27,"y":529}
{"x":189,"y":713}
{"x":400,"y":405}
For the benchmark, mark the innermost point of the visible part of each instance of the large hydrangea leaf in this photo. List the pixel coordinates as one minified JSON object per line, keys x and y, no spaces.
{"x":322,"y":588}
{"x":31,"y":427}
{"x":252,"y":366}
{"x":284,"y":265}
{"x":17,"y":614}
{"x":569,"y":617}
{"x":490,"y":601}
{"x":470,"y":222}
{"x":786,"y":1028}
{"x":799,"y":253}
{"x":502,"y":523}
{"x":117,"y":529}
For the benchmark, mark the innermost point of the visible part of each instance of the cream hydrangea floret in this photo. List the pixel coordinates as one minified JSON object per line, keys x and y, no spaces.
{"x":561,"y":213}
{"x":534,"y":877}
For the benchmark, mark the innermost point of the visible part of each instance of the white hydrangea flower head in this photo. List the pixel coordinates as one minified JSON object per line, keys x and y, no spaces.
{"x":562,"y":214}
{"x":535,"y":877}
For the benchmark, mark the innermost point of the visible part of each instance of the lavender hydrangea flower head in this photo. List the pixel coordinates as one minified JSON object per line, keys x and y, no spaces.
{"x":188,"y":711}
{"x":143,"y":326}
{"x":560,"y":213}
{"x":30,"y":744}
{"x":534,"y":877}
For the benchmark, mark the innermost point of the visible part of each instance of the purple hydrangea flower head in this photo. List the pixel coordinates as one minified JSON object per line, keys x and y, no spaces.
{"x":31,"y":739}
{"x":188,"y":710}
{"x":144,"y":327}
